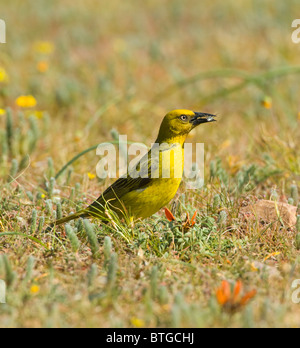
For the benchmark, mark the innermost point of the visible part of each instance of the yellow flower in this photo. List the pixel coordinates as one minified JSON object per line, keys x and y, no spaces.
{"x":43,"y":47}
{"x":26,"y":101}
{"x":267,"y":102}
{"x":35,"y":289}
{"x":299,"y":116}
{"x":42,"y":66}
{"x":39,"y":114}
{"x":3,"y":75}
{"x":91,"y":176}
{"x":137,"y":322}
{"x":2,"y":112}
{"x":253,"y":268}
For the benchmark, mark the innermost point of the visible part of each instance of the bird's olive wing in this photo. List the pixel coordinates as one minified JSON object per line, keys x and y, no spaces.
{"x":125,"y":185}
{"x":137,"y":178}
{"x":116,"y":191}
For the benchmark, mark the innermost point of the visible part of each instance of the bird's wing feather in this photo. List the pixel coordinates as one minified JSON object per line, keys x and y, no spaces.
{"x":137,"y":178}
{"x":125,"y":185}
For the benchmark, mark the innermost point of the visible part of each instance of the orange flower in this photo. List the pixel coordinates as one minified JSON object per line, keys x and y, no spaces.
{"x":267,"y":102}
{"x":169,"y":215}
{"x":232,"y":301}
{"x":223,"y":293}
{"x":42,"y":66}
{"x":193,"y":220}
{"x":187,"y":224}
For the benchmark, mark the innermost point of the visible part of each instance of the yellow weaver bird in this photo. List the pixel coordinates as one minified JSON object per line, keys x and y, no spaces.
{"x":159,"y":174}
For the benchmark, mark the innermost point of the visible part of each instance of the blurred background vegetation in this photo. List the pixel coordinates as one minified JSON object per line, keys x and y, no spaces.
{"x":141,"y":60}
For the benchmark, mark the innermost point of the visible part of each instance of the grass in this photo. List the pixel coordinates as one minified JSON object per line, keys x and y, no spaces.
{"x":96,"y":73}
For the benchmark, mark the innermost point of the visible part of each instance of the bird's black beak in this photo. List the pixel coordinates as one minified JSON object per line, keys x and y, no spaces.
{"x":201,"y":117}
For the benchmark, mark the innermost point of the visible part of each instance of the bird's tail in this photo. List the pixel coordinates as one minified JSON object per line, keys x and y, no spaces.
{"x":80,"y":214}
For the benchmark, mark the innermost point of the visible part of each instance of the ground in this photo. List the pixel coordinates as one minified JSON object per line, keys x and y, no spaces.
{"x":75,"y":74}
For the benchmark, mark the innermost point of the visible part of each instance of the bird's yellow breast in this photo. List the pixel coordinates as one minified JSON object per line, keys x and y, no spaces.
{"x":165,"y":181}
{"x":146,"y":202}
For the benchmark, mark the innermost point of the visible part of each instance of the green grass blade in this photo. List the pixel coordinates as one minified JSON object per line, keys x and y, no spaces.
{"x":2,"y":234}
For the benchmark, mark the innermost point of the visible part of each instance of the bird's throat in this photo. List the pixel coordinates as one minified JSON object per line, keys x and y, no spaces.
{"x":176,"y":139}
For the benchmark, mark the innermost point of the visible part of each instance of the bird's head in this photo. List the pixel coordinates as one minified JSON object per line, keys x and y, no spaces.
{"x":177,"y":124}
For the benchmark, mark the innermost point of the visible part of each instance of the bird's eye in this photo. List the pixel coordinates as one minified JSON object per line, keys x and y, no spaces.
{"x":183,"y":117}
